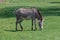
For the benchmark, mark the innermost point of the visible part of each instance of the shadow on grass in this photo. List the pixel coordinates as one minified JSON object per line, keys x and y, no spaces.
{"x":10,"y":30}
{"x":54,"y":2}
{"x":18,"y":30}
{"x":7,"y":12}
{"x":51,"y":11}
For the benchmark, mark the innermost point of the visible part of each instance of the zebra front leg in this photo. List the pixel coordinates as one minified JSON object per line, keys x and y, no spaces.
{"x":34,"y":21}
{"x":32,"y":24}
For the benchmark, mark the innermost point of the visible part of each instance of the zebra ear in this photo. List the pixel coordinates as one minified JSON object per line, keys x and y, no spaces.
{"x":43,"y":18}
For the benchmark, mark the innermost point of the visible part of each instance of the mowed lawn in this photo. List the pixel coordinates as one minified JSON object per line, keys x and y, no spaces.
{"x":50,"y":10}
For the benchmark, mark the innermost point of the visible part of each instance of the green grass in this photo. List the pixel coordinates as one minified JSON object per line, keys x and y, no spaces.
{"x":50,"y":10}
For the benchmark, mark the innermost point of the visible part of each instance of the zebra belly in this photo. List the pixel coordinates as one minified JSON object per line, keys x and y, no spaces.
{"x":27,"y":18}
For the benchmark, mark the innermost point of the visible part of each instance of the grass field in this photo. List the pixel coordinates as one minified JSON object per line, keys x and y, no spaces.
{"x":50,"y":10}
